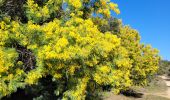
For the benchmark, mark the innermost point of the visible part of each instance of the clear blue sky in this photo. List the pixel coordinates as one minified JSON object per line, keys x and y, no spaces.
{"x":151,"y":18}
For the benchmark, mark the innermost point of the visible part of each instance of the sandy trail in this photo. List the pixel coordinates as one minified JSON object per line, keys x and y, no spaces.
{"x":165,"y":94}
{"x":167,"y":81}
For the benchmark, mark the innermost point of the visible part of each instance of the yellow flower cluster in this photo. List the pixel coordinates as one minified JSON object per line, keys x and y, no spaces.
{"x":72,"y":38}
{"x":3,"y":33}
{"x":144,"y":59}
{"x":77,"y":38}
{"x":73,"y":50}
{"x":37,"y":13}
{"x":79,"y":92}
{"x":34,"y":76}
{"x":114,"y":7}
{"x":57,"y":76}
{"x":9,"y":72}
{"x":123,"y":63}
{"x":71,"y":69}
{"x":7,"y":57}
{"x":75,"y":3}
{"x":105,"y":6}
{"x":105,"y":69}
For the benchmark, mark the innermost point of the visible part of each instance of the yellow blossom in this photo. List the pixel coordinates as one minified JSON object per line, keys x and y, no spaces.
{"x":75,"y":3}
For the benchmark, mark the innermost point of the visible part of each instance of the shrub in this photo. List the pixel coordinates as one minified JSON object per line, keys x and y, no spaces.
{"x":69,"y":52}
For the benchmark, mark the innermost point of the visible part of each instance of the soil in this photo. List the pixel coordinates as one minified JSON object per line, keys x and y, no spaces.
{"x":162,"y":95}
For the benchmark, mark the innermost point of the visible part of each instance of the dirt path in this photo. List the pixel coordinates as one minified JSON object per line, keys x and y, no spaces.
{"x":163,"y":94}
{"x":167,"y":81}
{"x":158,"y":94}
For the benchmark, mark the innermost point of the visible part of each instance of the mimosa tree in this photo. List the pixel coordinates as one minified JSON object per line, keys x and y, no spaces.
{"x":58,"y":42}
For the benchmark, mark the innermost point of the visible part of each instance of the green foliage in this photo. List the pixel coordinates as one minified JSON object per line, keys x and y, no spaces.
{"x":164,"y":67}
{"x":13,"y":8}
{"x":71,"y":51}
{"x":109,"y":24}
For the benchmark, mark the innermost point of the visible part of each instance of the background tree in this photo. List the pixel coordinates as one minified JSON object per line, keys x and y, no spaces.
{"x":144,"y":58}
{"x":108,"y":24}
{"x":164,"y":67}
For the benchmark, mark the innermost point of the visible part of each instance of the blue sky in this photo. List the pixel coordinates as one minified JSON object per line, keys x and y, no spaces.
{"x":151,"y":18}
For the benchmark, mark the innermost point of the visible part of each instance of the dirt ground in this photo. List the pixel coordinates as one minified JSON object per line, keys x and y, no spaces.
{"x":153,"y":93}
